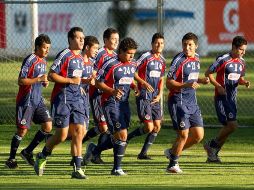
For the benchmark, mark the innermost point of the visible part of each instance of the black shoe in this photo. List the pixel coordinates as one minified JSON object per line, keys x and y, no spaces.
{"x":28,"y":157}
{"x":97,"y":160}
{"x":11,"y":164}
{"x":144,"y":157}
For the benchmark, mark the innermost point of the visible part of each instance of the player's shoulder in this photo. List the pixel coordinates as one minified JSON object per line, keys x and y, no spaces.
{"x":145,"y":55}
{"x":178,"y":58}
{"x":31,"y":58}
{"x":223,"y":57}
{"x":64,"y":53}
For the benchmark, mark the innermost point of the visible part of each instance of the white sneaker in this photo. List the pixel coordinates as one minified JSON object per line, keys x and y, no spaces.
{"x":118,"y":172}
{"x":212,"y":153}
{"x":174,"y":169}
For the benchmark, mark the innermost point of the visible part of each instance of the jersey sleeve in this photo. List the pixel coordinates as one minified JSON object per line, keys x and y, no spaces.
{"x":172,"y":70}
{"x":103,"y":71}
{"x":57,"y":64}
{"x":25,"y":68}
{"x":216,"y":65}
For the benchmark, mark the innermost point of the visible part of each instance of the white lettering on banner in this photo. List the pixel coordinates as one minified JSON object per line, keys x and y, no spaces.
{"x":77,"y":73}
{"x":126,"y":80}
{"x":231,"y":17}
{"x":193,"y":76}
{"x":54,"y":22}
{"x":155,"y":74}
{"x":233,"y":76}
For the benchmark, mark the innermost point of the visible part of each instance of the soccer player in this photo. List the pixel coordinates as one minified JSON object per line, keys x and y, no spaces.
{"x":89,"y":51}
{"x":30,"y":105}
{"x":67,"y":105}
{"x":182,"y":81}
{"x":111,"y":40}
{"x":230,"y":70}
{"x":151,"y":68}
{"x":115,"y":79}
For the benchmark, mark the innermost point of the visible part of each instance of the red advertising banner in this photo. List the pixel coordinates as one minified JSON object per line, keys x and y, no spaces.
{"x":2,"y":26}
{"x":224,"y":19}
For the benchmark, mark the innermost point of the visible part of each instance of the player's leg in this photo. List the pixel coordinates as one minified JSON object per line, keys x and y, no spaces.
{"x":145,"y":115}
{"x":42,"y":116}
{"x":151,"y":136}
{"x":23,"y":120}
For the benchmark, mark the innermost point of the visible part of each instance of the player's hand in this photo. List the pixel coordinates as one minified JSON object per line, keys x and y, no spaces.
{"x":205,"y":80}
{"x":193,"y":85}
{"x":148,"y":87}
{"x":43,"y":78}
{"x":156,"y":99}
{"x":75,"y":80}
{"x":221,"y":90}
{"x":118,"y":93}
{"x":247,"y":84}
{"x":92,"y":81}
{"x":45,"y":84}
{"x":136,"y":91}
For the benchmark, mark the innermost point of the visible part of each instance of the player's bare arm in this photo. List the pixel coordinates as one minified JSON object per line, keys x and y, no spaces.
{"x":220,"y":89}
{"x":242,"y":81}
{"x":105,"y":88}
{"x":30,"y":81}
{"x":143,"y":83}
{"x":60,"y":79}
{"x":172,"y":84}
{"x":204,"y":80}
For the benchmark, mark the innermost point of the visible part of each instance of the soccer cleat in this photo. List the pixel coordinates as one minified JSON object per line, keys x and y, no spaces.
{"x":144,"y":157}
{"x":28,"y":157}
{"x":79,"y":174}
{"x":167,"y":153}
{"x":89,"y":153}
{"x":11,"y":164}
{"x":39,"y":165}
{"x":174,"y":168}
{"x":118,"y":172}
{"x":212,"y":153}
{"x":97,"y":160}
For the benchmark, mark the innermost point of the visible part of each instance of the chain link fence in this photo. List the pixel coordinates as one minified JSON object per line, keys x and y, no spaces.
{"x":215,"y":22}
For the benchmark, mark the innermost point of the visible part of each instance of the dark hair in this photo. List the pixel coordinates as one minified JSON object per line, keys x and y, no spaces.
{"x":190,"y":36}
{"x":73,"y":30}
{"x":238,"y":41}
{"x":126,"y":44}
{"x":157,"y":36}
{"x":107,"y":33}
{"x":90,"y":41}
{"x":40,"y":40}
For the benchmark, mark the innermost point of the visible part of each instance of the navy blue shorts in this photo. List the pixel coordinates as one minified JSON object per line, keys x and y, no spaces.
{"x":226,"y":109}
{"x":184,"y":116}
{"x":26,"y":114}
{"x":97,"y":112}
{"x":65,"y":113}
{"x":148,"y":112}
{"x":117,"y":115}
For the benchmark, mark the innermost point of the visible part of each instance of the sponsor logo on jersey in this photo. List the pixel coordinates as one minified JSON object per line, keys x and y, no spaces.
{"x":77,"y":73}
{"x":193,"y":76}
{"x":233,"y":76}
{"x":155,"y":74}
{"x":126,"y":80}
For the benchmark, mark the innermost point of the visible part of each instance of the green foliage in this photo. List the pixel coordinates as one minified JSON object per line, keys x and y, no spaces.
{"x":236,"y":171}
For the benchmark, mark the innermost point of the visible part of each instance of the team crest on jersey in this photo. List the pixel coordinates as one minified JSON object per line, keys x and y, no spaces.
{"x":147,"y":117}
{"x":102,"y":118}
{"x":230,"y":115}
{"x":23,"y":122}
{"x":133,"y":70}
{"x":182,"y":124}
{"x":118,"y":125}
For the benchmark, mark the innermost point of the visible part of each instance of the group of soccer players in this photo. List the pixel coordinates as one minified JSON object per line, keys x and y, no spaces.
{"x":101,"y":79}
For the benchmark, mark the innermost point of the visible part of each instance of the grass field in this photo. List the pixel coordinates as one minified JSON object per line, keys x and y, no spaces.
{"x":236,"y":171}
{"x":8,"y":82}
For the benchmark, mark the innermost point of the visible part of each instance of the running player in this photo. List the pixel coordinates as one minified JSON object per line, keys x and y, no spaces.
{"x":30,"y":105}
{"x":115,"y":79}
{"x":230,"y":70}
{"x":151,"y":68}
{"x":67,"y":105}
{"x":182,"y":81}
{"x":111,"y":40}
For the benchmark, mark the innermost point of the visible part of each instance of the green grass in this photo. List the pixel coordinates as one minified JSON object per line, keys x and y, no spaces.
{"x":236,"y":171}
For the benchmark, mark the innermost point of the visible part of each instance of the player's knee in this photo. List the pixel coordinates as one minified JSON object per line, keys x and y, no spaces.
{"x":47,"y":127}
{"x":232,"y":125}
{"x":22,"y":132}
{"x":103,"y":128}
